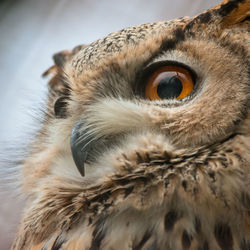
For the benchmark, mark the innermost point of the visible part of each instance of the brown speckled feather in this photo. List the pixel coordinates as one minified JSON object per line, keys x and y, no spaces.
{"x":168,"y":174}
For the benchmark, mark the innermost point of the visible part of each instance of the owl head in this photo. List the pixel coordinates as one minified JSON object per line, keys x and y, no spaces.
{"x":153,"y":115}
{"x":185,"y":81}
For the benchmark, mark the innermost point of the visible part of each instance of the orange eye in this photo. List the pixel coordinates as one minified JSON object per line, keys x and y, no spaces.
{"x":169,"y":82}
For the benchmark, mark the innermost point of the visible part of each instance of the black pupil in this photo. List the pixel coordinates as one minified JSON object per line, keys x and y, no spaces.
{"x":169,"y":87}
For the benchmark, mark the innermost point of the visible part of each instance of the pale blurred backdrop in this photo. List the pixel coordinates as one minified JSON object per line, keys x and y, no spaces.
{"x":30,"y":32}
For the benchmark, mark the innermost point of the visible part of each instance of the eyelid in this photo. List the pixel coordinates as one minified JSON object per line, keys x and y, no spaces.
{"x":150,"y":68}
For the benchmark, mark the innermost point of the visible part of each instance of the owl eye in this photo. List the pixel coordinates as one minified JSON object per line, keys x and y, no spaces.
{"x":169,"y":82}
{"x":60,"y":107}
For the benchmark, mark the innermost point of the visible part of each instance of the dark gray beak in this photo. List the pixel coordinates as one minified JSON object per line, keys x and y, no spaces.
{"x":85,"y":147}
{"x":80,"y":146}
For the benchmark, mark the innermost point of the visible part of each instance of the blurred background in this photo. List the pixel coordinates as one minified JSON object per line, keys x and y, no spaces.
{"x":31,"y":31}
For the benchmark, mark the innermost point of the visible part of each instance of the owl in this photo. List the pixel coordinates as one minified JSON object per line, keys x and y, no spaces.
{"x":146,"y":140}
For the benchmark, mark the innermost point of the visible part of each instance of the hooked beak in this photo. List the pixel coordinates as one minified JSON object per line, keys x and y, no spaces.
{"x":86,"y":146}
{"x":80,"y":145}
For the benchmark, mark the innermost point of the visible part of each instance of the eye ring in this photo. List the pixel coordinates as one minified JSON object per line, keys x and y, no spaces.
{"x":167,"y":80}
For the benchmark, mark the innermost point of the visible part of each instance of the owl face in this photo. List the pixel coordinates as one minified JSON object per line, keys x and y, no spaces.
{"x":176,"y":80}
{"x":146,"y":140}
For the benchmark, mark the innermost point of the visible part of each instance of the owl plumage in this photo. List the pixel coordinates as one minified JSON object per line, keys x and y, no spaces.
{"x":113,"y":169}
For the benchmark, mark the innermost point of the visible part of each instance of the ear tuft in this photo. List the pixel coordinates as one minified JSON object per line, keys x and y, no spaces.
{"x":59,"y":88}
{"x":233,"y":12}
{"x":58,"y":83}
